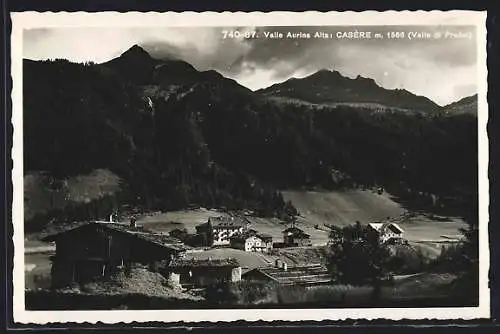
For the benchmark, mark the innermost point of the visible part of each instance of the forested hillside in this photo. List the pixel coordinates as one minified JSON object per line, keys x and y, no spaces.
{"x":176,"y":136}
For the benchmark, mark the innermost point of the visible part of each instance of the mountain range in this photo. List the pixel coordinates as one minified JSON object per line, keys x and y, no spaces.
{"x":176,"y":136}
{"x":321,"y":87}
{"x":467,"y":105}
{"x":330,"y":87}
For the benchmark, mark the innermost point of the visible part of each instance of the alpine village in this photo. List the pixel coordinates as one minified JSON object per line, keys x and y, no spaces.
{"x":151,"y":185}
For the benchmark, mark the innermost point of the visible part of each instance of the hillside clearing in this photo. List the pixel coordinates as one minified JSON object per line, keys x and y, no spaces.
{"x":43,"y":193}
{"x":320,"y":208}
{"x":315,"y":207}
{"x":188,"y":219}
{"x":342,"y":207}
{"x":346,"y":207}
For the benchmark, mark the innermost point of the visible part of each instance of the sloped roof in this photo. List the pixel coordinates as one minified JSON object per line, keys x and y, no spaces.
{"x":293,"y":230}
{"x":395,"y":227}
{"x":158,"y":239}
{"x":247,"y":235}
{"x":204,"y":263}
{"x":381,"y":227}
{"x":242,"y":237}
{"x":229,"y":222}
{"x":312,"y":274}
{"x":376,"y":226}
{"x":296,"y":232}
{"x":265,"y":236}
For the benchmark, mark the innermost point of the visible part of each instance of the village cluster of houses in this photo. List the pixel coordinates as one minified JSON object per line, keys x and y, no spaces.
{"x":236,"y":233}
{"x":100,"y":249}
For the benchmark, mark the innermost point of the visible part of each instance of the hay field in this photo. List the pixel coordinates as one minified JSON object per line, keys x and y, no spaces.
{"x":317,"y":209}
{"x":344,"y":208}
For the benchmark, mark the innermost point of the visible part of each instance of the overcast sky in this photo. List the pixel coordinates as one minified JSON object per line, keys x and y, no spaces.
{"x":442,"y":69}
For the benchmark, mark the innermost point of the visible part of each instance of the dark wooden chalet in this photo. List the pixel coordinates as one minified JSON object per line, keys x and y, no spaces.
{"x":294,"y":236}
{"x":101,"y":248}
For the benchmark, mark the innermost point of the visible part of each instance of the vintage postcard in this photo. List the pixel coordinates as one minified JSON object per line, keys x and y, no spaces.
{"x":203,"y":167}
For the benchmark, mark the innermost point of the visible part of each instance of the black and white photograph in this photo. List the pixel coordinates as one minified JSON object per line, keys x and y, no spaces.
{"x":310,"y":168}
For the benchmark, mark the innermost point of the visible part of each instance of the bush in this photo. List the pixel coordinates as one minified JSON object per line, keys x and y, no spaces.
{"x":337,"y":294}
{"x":259,"y":293}
{"x":451,"y":259}
{"x":406,"y":260}
{"x":220,"y":294}
{"x":254,"y":293}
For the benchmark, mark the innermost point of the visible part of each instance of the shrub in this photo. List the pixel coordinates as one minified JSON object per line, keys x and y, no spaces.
{"x":451,"y":259}
{"x":406,"y":260}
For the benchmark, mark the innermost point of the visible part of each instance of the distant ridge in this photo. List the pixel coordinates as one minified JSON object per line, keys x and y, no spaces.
{"x":467,"y":105}
{"x":332,"y":87}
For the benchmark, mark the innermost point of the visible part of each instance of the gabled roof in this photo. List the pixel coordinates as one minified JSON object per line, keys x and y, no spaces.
{"x":296,"y":232}
{"x":136,"y":232}
{"x":376,"y":226}
{"x":227,"y":222}
{"x":242,"y":237}
{"x":265,"y":236}
{"x":293,"y":230}
{"x":245,"y":236}
{"x":395,"y":227}
{"x":204,"y":263}
{"x":381,"y":227}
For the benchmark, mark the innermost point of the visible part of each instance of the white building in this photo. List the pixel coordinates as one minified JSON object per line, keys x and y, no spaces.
{"x":387,"y":231}
{"x":253,"y":242}
{"x":220,"y":229}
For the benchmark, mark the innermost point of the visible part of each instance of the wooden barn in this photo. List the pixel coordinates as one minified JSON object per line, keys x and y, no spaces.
{"x":294,"y":236}
{"x":97,"y":249}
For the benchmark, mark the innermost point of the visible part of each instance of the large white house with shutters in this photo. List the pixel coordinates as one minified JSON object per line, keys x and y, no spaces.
{"x":387,"y":232}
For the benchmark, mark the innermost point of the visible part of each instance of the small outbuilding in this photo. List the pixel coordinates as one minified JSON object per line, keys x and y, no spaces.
{"x":294,"y":236}
{"x":202,"y":272}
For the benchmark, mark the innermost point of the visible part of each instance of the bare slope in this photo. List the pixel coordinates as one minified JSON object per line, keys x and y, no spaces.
{"x":342,"y":208}
{"x":43,"y":193}
{"x":168,"y":221}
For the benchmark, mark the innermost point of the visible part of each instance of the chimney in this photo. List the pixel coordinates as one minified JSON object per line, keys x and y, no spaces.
{"x":284,"y":266}
{"x":277,"y":263}
{"x":132,"y":222}
{"x":111,"y":218}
